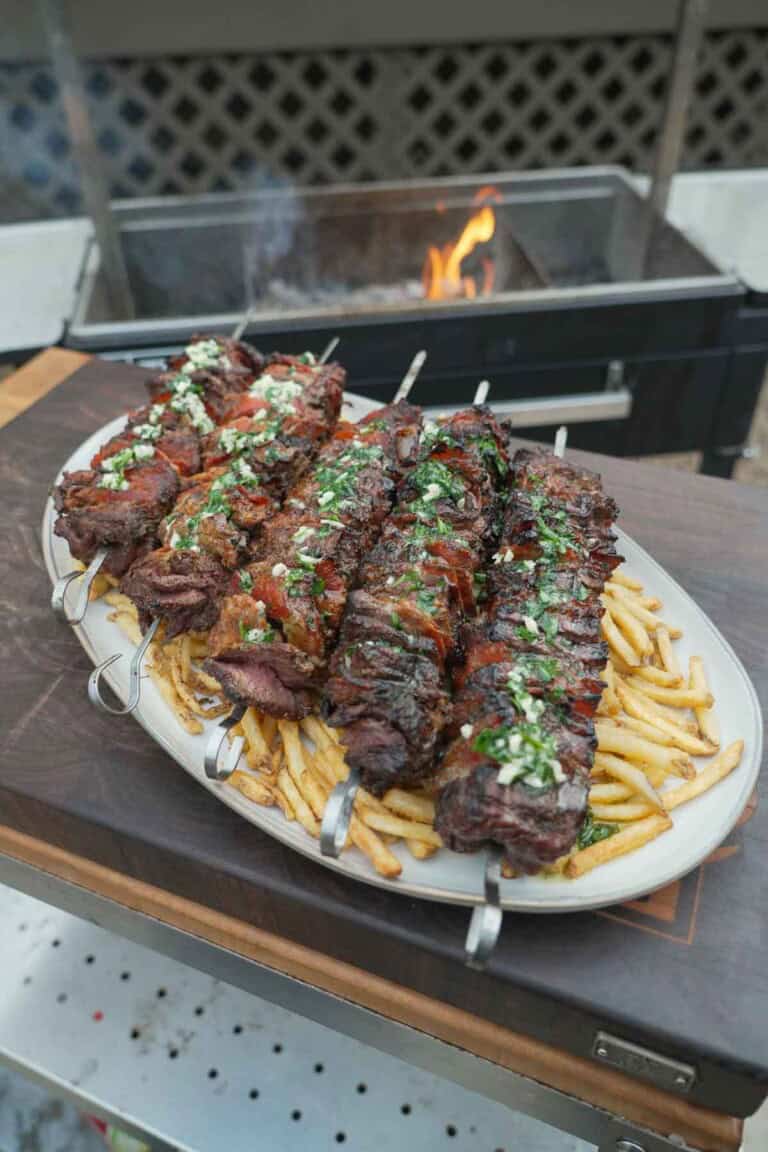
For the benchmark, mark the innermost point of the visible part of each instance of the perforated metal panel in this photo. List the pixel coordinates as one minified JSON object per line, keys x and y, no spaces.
{"x":201,"y":124}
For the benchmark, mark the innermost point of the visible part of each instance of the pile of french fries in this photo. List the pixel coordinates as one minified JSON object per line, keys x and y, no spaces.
{"x":652,"y":719}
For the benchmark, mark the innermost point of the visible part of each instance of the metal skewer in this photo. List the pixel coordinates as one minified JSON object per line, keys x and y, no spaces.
{"x":216,"y":771}
{"x":334,"y":827}
{"x":58,"y":596}
{"x":487,"y":918}
{"x":134,"y":673}
{"x":134,"y":677}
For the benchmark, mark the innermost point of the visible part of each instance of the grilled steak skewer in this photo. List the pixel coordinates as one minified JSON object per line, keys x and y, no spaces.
{"x":516,"y":769}
{"x":271,"y":641}
{"x":389,"y":685}
{"x":207,"y":535}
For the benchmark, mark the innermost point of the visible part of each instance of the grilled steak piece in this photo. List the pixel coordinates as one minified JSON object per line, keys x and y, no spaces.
{"x":118,"y":508}
{"x":305,"y":560}
{"x":292,"y":385}
{"x":166,"y":430}
{"x":200,"y":381}
{"x":389,"y":676}
{"x":249,"y":660}
{"x":521,"y":738}
{"x":184,"y":588}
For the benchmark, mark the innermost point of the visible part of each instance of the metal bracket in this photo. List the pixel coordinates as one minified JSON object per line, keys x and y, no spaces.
{"x":214,"y":770}
{"x":671,"y":1075}
{"x":485,"y":923}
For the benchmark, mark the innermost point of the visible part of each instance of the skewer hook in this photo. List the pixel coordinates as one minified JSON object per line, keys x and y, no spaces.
{"x":486,"y":919}
{"x":58,"y":596}
{"x":337,"y":816}
{"x":214,"y":770}
{"x":134,"y":677}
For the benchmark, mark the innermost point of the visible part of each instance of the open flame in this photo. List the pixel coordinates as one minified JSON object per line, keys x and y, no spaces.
{"x":442,"y":276}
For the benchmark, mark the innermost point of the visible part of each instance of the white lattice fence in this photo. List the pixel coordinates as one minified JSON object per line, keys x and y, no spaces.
{"x":198,"y":124}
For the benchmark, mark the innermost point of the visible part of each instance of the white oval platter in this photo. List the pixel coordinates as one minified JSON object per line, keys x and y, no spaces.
{"x":699,"y":826}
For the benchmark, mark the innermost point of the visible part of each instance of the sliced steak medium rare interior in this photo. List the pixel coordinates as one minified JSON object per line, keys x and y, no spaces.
{"x":389,"y":684}
{"x":271,"y":641}
{"x":521,"y":740}
{"x":214,"y":520}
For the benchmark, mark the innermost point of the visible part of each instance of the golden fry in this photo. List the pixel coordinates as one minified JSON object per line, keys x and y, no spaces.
{"x":631,"y":628}
{"x":253,"y":789}
{"x":610,"y":793}
{"x":419,"y":850}
{"x":627,"y":840}
{"x":611,"y":738}
{"x":408,"y":829}
{"x":666,"y":652}
{"x":301,"y":809}
{"x":635,"y":608}
{"x":609,"y":703}
{"x":705,"y":717}
{"x":164,"y":684}
{"x":622,"y":812}
{"x":614,"y":766}
{"x":127,"y":624}
{"x":675,"y":697}
{"x":617,"y":642}
{"x":619,"y":576}
{"x":411,"y":807}
{"x":257,"y":753}
{"x":635,"y":705}
{"x":717,"y":769}
{"x":658,"y":676}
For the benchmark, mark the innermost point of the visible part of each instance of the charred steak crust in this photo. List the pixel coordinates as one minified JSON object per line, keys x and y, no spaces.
{"x":389,"y":683}
{"x":521,"y":739}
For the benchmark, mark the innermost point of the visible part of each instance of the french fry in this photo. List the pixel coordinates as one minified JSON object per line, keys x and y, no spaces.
{"x":610,"y":793}
{"x":419,"y":850}
{"x":611,"y":738}
{"x":164,"y":684}
{"x":257,"y":754}
{"x":717,"y":769}
{"x":283,"y":803}
{"x":705,"y":717}
{"x":635,"y":705}
{"x":634,"y":836}
{"x":635,"y":607}
{"x":617,"y":642}
{"x":637,"y":780}
{"x":677,"y":716}
{"x":100,"y":585}
{"x":675,"y":697}
{"x":658,"y":676}
{"x":408,"y":829}
{"x":607,"y":762}
{"x":609,"y":702}
{"x":253,"y":788}
{"x":619,"y":576}
{"x":299,"y":806}
{"x":666,"y":652}
{"x":411,"y":807}
{"x":622,"y":812}
{"x":630,"y":627}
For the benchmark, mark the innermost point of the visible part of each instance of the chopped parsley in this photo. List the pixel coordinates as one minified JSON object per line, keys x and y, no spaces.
{"x":593,"y":832}
{"x":114,"y":468}
{"x":491,"y":451}
{"x":434,"y":481}
{"x":264,"y":635}
{"x":237,"y":442}
{"x":245,"y":580}
{"x":525,"y":753}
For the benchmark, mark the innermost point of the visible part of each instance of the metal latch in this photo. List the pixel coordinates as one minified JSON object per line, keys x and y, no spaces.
{"x":672,"y":1075}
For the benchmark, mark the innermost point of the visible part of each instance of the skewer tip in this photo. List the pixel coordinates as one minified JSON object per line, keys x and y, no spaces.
{"x":561,"y":439}
{"x":481,"y":392}
{"x":409,"y":379}
{"x":329,"y":350}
